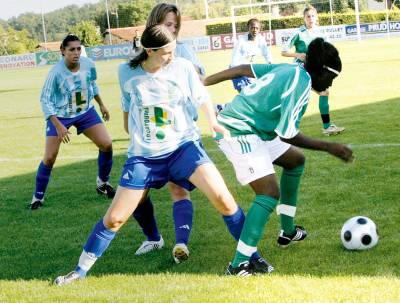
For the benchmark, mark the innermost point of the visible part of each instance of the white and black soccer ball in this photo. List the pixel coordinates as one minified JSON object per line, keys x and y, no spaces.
{"x":359,"y":233}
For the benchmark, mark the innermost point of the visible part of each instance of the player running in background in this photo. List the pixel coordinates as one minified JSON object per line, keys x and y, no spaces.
{"x":247,"y":48}
{"x":300,"y":41}
{"x":169,"y":15}
{"x":264,"y":121}
{"x":66,"y":101}
{"x":158,"y":96}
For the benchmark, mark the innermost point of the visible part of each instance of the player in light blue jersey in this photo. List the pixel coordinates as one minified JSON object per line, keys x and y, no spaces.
{"x":300,"y":41}
{"x":264,"y":121}
{"x":247,"y":48}
{"x":169,"y":15}
{"x":66,"y":101}
{"x":158,"y":93}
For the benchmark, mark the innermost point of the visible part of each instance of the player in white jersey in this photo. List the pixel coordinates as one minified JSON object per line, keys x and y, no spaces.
{"x":66,"y":101}
{"x":169,"y":15}
{"x":247,"y":48}
{"x":300,"y":41}
{"x":264,"y":123}
{"x":158,"y":92}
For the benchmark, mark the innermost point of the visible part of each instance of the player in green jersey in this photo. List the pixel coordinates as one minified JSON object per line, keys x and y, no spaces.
{"x":300,"y":41}
{"x":264,"y":124}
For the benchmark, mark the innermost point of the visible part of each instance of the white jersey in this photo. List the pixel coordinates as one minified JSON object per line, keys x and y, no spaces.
{"x":245,"y":50}
{"x":161,"y":107}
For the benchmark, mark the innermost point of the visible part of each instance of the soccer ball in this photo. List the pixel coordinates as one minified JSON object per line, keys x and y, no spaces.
{"x":359,"y":233}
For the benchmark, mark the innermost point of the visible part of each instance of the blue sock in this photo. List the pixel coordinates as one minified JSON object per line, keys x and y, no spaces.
{"x":144,"y":215}
{"x":99,"y":239}
{"x":235,"y":224}
{"x":105,"y":162}
{"x":42,"y":179}
{"x":183,"y":220}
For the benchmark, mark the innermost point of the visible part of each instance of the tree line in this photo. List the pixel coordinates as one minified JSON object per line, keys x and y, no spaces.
{"x":22,"y":34}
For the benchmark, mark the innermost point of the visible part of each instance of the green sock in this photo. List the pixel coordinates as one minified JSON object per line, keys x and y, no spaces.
{"x":253,"y":228}
{"x":324,"y":111}
{"x":290,"y":181}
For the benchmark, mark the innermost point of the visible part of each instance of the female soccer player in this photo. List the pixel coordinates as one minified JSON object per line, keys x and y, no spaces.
{"x":158,"y":96}
{"x":169,"y":15}
{"x":66,"y":101}
{"x":264,"y":124}
{"x":300,"y":41}
{"x":246,"y":48}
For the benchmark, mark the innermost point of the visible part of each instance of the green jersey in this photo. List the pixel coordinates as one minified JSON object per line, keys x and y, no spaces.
{"x":302,"y":39}
{"x":271,"y":106}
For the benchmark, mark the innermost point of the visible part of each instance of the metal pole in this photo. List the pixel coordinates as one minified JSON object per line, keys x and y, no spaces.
{"x":233,"y":24}
{"x":387,"y":18}
{"x":108,"y":24}
{"x":330,"y":7}
{"x":206,"y":8}
{"x":44,"y":28}
{"x":116,"y":14}
{"x":357,"y":20}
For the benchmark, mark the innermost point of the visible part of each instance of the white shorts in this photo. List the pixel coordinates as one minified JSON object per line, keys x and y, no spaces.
{"x":252,"y":157}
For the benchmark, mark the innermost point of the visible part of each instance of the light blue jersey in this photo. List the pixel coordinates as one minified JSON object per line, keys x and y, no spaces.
{"x":185,"y":51}
{"x":160,"y":107}
{"x":66,"y":94}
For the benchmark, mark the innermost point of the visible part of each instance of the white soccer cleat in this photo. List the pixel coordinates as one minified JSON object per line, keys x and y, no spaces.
{"x":180,"y":253}
{"x":332,"y":130}
{"x":67,"y":279}
{"x":148,"y":246}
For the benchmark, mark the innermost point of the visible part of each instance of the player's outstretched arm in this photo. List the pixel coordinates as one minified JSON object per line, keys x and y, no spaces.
{"x":338,"y":150}
{"x":228,"y":74}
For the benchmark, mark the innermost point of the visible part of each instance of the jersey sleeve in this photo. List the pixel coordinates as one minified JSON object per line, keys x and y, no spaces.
{"x":266,"y":52}
{"x":48,"y":95}
{"x":290,"y":43}
{"x":293,"y":105}
{"x":123,"y":78}
{"x":93,"y":78}
{"x":187,"y":52}
{"x":237,"y":53}
{"x":260,"y":70}
{"x":197,"y":91}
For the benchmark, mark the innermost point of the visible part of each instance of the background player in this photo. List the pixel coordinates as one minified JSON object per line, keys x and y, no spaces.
{"x":66,"y":101}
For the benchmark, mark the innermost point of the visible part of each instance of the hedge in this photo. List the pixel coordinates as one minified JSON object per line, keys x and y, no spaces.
{"x":293,"y":22}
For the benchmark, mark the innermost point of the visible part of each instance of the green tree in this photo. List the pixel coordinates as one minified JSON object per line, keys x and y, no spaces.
{"x":14,"y":42}
{"x":87,"y":32}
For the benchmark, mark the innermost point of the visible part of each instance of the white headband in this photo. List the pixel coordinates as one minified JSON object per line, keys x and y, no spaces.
{"x":159,"y":47}
{"x":331,"y":70}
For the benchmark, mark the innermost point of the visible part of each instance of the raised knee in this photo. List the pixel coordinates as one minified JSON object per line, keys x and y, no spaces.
{"x":178,"y":193}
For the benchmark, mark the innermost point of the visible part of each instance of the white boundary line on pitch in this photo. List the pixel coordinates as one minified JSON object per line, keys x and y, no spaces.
{"x":92,"y":157}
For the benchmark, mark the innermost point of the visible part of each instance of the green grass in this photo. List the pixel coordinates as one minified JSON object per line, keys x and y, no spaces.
{"x":35,"y":247}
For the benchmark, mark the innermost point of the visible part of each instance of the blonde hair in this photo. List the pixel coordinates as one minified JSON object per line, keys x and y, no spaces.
{"x":309,"y":7}
{"x":158,"y":13}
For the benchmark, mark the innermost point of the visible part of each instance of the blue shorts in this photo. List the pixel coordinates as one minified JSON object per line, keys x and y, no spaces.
{"x":241,"y":82}
{"x":177,"y":167}
{"x":82,"y":122}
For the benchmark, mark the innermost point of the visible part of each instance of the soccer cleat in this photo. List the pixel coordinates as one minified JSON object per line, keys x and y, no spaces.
{"x":180,"y":253}
{"x":148,"y":246}
{"x":332,"y":130}
{"x":67,"y":279}
{"x":261,"y":266}
{"x":35,"y":203}
{"x":299,"y":235}
{"x":105,"y":188}
{"x":243,"y":270}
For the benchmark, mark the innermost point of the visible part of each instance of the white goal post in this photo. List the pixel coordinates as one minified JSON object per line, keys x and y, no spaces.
{"x":271,"y":3}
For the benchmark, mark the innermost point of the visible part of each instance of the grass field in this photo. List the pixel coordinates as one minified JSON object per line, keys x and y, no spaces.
{"x":37,"y":246}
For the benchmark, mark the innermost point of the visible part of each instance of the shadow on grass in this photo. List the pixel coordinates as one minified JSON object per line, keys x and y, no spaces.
{"x":45,"y":243}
